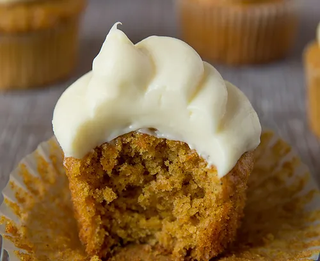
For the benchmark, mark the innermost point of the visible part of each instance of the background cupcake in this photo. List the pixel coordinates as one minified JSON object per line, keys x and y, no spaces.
{"x":239,"y":31}
{"x":312,"y":67}
{"x":38,"y":41}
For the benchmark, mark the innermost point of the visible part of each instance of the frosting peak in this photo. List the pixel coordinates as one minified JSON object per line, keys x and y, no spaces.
{"x":117,"y":70}
{"x":159,"y":83}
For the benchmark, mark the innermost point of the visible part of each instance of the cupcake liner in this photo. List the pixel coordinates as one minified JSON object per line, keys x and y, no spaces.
{"x":239,"y":34}
{"x":281,"y":220}
{"x":32,"y":59}
{"x":312,"y":68}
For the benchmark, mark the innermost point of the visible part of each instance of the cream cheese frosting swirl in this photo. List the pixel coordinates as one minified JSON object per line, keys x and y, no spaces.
{"x":159,"y":83}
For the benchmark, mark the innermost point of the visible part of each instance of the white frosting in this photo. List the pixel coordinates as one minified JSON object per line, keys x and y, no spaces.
{"x":159,"y":83}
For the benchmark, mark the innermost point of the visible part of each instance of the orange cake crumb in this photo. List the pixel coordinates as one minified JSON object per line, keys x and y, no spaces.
{"x":143,"y":190}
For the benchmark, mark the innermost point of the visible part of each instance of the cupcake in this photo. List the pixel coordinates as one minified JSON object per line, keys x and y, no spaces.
{"x":158,"y":148}
{"x":38,"y":41}
{"x":239,"y":32}
{"x":312,"y":68}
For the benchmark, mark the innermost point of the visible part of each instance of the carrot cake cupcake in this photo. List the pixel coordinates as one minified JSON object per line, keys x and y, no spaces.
{"x":239,"y":32}
{"x":38,"y":41}
{"x":158,"y":150}
{"x":312,"y":68}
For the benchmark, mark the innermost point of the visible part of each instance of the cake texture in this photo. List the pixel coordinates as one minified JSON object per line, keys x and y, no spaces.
{"x":38,"y":41}
{"x":239,"y":32}
{"x":141,"y":189}
{"x":312,"y":69}
{"x":158,"y":148}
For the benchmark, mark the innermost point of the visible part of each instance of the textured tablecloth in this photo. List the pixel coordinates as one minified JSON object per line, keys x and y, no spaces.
{"x":276,"y":90}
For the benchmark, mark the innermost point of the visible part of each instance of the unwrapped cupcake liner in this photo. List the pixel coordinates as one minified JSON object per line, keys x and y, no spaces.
{"x":312,"y":68}
{"x":281,"y":218}
{"x":36,"y":58}
{"x":239,"y":34}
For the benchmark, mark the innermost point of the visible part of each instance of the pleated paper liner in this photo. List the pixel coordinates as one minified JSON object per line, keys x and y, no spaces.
{"x":281,"y":222}
{"x":237,"y":34}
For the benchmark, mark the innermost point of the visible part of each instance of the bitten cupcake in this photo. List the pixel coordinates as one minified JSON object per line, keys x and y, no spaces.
{"x":238,"y":32}
{"x":312,"y":68}
{"x":38,"y":41}
{"x":158,"y":150}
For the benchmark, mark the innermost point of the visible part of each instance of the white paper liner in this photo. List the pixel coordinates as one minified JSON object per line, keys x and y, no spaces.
{"x":273,"y":154}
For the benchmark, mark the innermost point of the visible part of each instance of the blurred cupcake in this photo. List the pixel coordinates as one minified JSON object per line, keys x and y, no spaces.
{"x":312,"y":67}
{"x":38,"y":41}
{"x":239,"y":32}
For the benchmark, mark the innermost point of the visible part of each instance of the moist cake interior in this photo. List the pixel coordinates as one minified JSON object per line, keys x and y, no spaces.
{"x":140,"y":189}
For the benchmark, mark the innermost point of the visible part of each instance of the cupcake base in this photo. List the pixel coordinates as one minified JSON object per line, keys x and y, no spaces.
{"x":312,"y":67}
{"x":238,"y":34}
{"x":281,"y":213}
{"x":36,"y":58}
{"x":145,"y":190}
